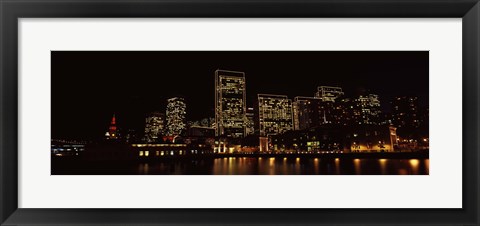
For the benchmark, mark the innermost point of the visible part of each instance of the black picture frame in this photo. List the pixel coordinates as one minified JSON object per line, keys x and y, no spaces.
{"x":12,"y":10}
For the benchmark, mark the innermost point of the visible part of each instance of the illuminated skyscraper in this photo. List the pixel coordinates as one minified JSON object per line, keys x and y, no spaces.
{"x":154,"y":126}
{"x":275,"y":114}
{"x":176,"y":116}
{"x":329,"y":93}
{"x":249,"y":122}
{"x":230,"y":106}
{"x":367,"y":109}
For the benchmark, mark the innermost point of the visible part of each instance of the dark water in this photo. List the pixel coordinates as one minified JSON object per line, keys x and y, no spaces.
{"x":254,"y":166}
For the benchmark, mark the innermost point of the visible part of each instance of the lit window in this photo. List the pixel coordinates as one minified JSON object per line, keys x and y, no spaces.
{"x":146,"y":153}
{"x":140,"y":153}
{"x":157,"y":153}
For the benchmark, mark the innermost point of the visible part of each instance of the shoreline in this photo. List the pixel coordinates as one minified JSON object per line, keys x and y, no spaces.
{"x":347,"y":156}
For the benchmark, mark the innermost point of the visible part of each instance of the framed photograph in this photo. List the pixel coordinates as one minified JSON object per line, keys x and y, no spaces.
{"x":224,"y":112}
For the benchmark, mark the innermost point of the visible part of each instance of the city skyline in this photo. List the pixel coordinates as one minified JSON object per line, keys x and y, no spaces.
{"x":121,"y":98}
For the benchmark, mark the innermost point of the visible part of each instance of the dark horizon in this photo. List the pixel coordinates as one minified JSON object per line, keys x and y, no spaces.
{"x":89,"y":86}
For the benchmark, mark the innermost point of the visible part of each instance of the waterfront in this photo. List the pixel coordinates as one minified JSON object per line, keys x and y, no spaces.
{"x":233,"y":113}
{"x":246,"y":166}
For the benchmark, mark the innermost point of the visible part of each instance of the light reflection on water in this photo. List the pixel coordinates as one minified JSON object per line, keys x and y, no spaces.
{"x":337,"y":164}
{"x":357,"y":163}
{"x":414,"y":165}
{"x":383,"y":165}
{"x":143,"y":168}
{"x":315,"y":166}
{"x":288,"y":166}
{"x":427,"y":165}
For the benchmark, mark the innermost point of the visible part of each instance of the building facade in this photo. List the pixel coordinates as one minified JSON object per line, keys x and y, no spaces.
{"x":335,"y":139}
{"x":205,"y":122}
{"x":249,"y":122}
{"x":367,"y":110}
{"x":329,"y":93}
{"x":176,"y":116}
{"x":312,"y":112}
{"x":230,"y":103}
{"x":405,"y":112}
{"x":275,"y":114}
{"x":154,"y":127}
{"x":307,"y":112}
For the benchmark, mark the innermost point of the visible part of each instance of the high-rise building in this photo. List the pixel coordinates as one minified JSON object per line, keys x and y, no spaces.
{"x":176,"y":116}
{"x":344,"y":112}
{"x":154,"y":126}
{"x":367,"y":109}
{"x":307,"y":112}
{"x":230,"y":106}
{"x":249,"y":122}
{"x":112,"y":134}
{"x":312,"y":112}
{"x":328,"y":93}
{"x":275,"y":114}
{"x":405,"y":112}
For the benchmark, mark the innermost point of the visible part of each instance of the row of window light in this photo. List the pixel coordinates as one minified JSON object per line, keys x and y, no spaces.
{"x":165,"y":153}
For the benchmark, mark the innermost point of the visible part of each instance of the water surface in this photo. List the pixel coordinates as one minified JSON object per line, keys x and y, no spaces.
{"x":250,"y":166}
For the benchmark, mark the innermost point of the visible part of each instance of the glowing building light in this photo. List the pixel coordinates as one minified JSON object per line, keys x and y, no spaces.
{"x":176,"y":112}
{"x":275,"y":114}
{"x":368,"y":109}
{"x":230,"y":103}
{"x":154,"y":127}
{"x":329,"y":93}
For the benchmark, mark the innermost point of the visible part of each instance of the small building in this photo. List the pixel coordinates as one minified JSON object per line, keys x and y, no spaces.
{"x":152,"y":151}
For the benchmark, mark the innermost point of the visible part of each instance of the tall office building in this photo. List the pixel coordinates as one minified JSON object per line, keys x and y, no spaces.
{"x":367,"y":109}
{"x":176,"y":116}
{"x":329,"y":93}
{"x":405,"y":112}
{"x":154,"y":126}
{"x":249,"y":122}
{"x":307,"y":112}
{"x":230,"y":106}
{"x":275,"y":114}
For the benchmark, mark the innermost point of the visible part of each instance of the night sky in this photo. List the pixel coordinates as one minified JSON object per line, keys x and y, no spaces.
{"x":88,"y":87}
